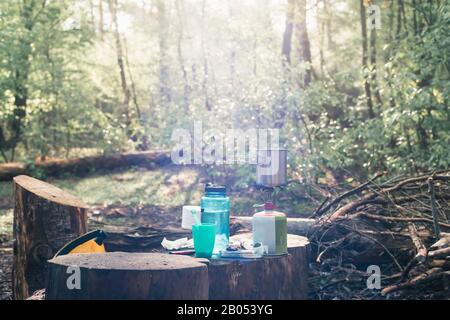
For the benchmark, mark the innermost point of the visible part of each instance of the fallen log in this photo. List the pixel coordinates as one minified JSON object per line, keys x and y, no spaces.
{"x":45,"y":218}
{"x":80,"y":166}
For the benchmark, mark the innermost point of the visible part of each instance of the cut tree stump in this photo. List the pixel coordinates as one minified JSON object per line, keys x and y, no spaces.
{"x":45,"y":219}
{"x":123,"y":276}
{"x":120,"y":275}
{"x":272,"y":277}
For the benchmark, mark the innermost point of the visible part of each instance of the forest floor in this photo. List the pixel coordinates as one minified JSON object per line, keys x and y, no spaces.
{"x":153,"y":198}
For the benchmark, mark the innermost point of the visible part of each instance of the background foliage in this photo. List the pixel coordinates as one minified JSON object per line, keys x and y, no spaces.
{"x":94,"y":76}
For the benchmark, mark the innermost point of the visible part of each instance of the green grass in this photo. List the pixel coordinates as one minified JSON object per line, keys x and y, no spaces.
{"x":135,"y":187}
{"x":6,"y":190}
{"x":164,"y":187}
{"x":6,"y":222}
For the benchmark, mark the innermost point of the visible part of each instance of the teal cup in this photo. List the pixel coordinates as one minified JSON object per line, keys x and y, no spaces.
{"x":204,"y":237}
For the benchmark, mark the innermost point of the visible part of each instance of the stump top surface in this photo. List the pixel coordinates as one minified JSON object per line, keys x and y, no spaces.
{"x":47,"y":191}
{"x":128,"y":261}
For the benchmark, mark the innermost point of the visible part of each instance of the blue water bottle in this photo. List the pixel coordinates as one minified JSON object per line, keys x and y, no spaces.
{"x":215,"y":207}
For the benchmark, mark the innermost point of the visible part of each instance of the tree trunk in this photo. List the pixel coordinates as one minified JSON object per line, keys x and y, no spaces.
{"x":164,"y":90}
{"x":328,"y":13}
{"x":205,"y":57}
{"x":288,"y":30}
{"x":303,"y":40}
{"x":100,"y":20}
{"x":123,"y":276}
{"x":232,"y":49}
{"x":20,"y":75}
{"x":120,"y":62}
{"x":365,"y":57}
{"x":186,"y":89}
{"x":373,"y":63}
{"x":45,"y":219}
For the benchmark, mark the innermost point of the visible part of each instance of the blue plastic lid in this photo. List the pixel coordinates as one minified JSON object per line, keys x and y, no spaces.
{"x":209,"y":187}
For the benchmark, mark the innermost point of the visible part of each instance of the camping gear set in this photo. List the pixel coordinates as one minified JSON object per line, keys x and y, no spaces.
{"x":269,"y":226}
{"x":210,"y":222}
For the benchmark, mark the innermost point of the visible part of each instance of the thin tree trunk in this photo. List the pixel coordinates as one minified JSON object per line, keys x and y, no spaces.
{"x":302,"y":34}
{"x":365,"y":59}
{"x":399,"y":18}
{"x":322,"y":26}
{"x":373,"y":62}
{"x":186,"y":89}
{"x":205,"y":58}
{"x":415,"y":26}
{"x":100,"y":20}
{"x":163,"y":48}
{"x":288,"y":30}
{"x":92,"y":15}
{"x":232,"y":47}
{"x":120,"y":63}
{"x":328,"y":13}
{"x":21,"y":74}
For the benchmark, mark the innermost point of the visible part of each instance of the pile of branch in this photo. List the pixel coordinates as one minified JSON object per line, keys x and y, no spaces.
{"x":400,"y":226}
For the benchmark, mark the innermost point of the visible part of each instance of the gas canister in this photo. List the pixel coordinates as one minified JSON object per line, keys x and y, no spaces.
{"x":270,"y":229}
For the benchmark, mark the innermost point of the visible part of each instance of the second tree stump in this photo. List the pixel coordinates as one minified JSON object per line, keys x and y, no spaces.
{"x":124,"y":276}
{"x":45,"y":219}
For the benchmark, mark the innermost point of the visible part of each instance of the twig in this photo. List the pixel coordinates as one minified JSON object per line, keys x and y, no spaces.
{"x":437,"y":230}
{"x":439,"y":252}
{"x":398,"y":219}
{"x":430,"y":275}
{"x":421,"y":250}
{"x":348,"y":194}
{"x":320,"y":207}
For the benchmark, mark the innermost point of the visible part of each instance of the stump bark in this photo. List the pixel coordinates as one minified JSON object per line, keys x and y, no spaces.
{"x":45,"y":218}
{"x":272,"y":277}
{"x":123,"y":276}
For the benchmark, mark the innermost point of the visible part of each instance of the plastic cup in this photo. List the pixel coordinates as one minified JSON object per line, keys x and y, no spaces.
{"x":204,"y":237}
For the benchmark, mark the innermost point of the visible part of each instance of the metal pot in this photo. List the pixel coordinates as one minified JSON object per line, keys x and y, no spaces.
{"x":271,"y":168}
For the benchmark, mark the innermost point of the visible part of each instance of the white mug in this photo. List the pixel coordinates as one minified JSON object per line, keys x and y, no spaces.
{"x":187,"y":219}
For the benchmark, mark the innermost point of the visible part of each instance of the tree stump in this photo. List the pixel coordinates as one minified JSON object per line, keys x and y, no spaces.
{"x":121,"y":276}
{"x":45,"y":218}
{"x":272,"y":277}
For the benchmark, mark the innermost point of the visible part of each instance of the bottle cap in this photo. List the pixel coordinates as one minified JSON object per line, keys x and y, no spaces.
{"x":209,"y":187}
{"x":269,"y":206}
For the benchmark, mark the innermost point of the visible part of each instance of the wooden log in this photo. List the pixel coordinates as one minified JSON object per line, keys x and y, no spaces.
{"x":271,"y":277}
{"x":79,"y":166}
{"x":122,"y":276}
{"x":45,"y":218}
